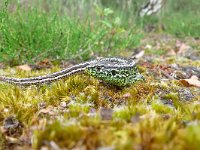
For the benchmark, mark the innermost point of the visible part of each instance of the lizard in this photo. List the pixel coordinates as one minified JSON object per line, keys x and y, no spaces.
{"x":115,"y":71}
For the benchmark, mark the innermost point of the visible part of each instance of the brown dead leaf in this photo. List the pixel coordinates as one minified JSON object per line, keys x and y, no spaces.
{"x":49,"y":110}
{"x":24,"y":67}
{"x":171,"y":52}
{"x":181,"y":47}
{"x":46,"y":63}
{"x":139,"y":55}
{"x":2,"y":66}
{"x":193,"y":81}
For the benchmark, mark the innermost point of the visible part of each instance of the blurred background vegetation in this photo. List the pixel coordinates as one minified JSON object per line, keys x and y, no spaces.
{"x":31,"y":31}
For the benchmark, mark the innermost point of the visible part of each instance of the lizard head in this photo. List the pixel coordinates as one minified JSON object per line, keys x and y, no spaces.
{"x":116,"y":71}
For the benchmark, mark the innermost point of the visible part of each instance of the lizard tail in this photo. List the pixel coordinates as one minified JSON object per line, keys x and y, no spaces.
{"x":46,"y":78}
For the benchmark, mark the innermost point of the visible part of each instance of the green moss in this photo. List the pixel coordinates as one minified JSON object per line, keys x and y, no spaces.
{"x":126,"y":113}
{"x":149,"y":114}
{"x":155,"y":133}
{"x":189,"y":138}
{"x":64,"y":135}
{"x":77,"y":109}
{"x":156,"y":51}
{"x":161,"y":108}
{"x":22,"y":104}
{"x":2,"y":141}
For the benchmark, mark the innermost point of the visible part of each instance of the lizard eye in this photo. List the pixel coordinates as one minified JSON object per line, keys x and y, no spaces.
{"x":113,"y":72}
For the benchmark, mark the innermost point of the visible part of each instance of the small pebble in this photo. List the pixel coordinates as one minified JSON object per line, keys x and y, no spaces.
{"x":106,"y":113}
{"x":63,"y":104}
{"x":42,"y":105}
{"x":185,"y":94}
{"x":127,"y":95}
{"x":12,"y":127}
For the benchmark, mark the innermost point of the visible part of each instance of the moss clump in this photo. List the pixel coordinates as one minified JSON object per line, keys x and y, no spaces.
{"x":63,"y":134}
{"x":83,"y":112}
{"x":2,"y":141}
{"x":188,"y":138}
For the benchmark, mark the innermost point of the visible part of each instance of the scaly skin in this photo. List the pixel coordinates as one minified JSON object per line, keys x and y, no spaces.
{"x":116,"y":71}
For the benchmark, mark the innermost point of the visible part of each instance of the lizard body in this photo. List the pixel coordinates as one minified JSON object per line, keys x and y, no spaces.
{"x":115,"y":71}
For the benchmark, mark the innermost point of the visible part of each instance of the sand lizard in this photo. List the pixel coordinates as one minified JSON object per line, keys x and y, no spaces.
{"x":115,"y":71}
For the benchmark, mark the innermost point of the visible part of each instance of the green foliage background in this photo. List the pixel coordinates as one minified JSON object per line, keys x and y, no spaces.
{"x":61,"y":30}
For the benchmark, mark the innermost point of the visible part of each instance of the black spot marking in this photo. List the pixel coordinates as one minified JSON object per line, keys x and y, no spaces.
{"x":98,"y":68}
